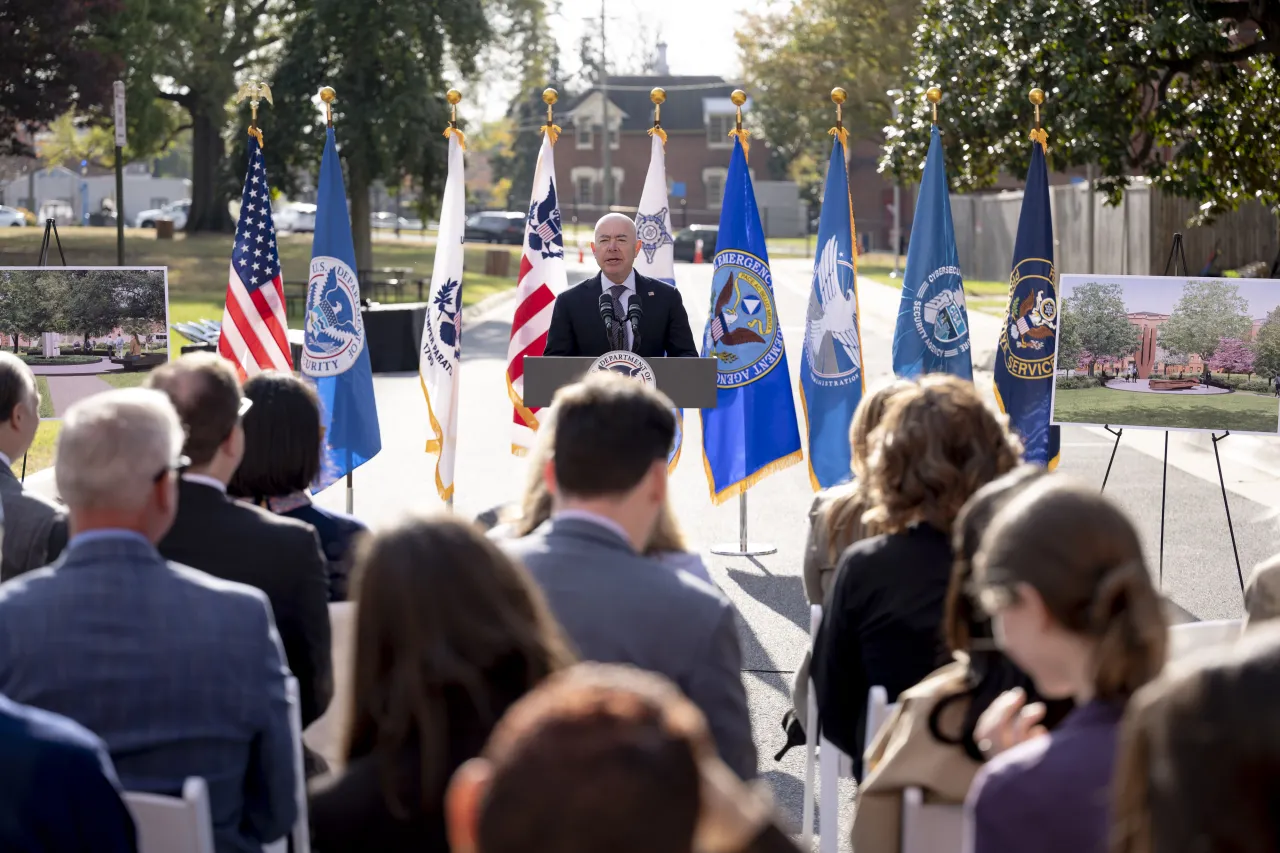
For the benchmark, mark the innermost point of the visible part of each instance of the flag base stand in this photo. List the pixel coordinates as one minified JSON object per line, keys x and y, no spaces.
{"x":743,"y":547}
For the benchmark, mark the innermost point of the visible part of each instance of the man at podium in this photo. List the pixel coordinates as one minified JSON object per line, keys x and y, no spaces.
{"x":618,"y":309}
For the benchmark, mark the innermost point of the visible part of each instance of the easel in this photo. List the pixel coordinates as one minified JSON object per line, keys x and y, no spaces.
{"x":50,"y":227}
{"x":1177,"y":254}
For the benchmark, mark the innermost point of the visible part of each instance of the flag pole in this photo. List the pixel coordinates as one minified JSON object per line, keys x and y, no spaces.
{"x":351,"y":493}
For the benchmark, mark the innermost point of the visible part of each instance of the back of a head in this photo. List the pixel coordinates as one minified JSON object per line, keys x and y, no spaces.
{"x":599,"y":758}
{"x":281,"y":437}
{"x":609,"y":432}
{"x":205,"y":390}
{"x":1094,"y":581}
{"x":866,"y":418}
{"x":1262,"y":593}
{"x":16,"y":382}
{"x":936,"y":445}
{"x":1200,"y":753}
{"x":113,"y":446}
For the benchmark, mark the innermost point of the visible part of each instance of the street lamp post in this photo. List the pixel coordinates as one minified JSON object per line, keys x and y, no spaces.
{"x":896,"y":233}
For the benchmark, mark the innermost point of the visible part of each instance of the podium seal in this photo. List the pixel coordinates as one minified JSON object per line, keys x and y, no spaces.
{"x":625,"y":363}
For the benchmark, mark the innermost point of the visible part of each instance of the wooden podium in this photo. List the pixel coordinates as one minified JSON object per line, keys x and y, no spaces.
{"x":689,"y":382}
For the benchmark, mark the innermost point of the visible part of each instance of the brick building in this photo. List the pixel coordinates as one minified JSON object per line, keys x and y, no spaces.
{"x":1152,"y":320}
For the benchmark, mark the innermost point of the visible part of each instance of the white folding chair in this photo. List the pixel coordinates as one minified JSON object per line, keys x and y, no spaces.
{"x":930,"y":827}
{"x":173,"y":824}
{"x":834,"y":765}
{"x":324,"y":735}
{"x":878,"y":710}
{"x":301,"y":828}
{"x":810,"y":742}
{"x":1188,"y":637}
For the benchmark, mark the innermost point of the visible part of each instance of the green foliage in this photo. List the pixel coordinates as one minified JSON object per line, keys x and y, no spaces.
{"x":1183,"y":91}
{"x":1266,"y":348}
{"x":1094,"y":319}
{"x":1076,"y":383}
{"x":1207,"y":312}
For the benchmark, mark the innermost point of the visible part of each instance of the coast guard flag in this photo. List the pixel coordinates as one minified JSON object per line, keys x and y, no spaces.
{"x":1024,"y":361}
{"x":753,"y":431}
{"x":657,"y":248}
{"x":932,"y":335}
{"x":439,"y":357}
{"x":333,"y":350}
{"x":542,"y":279}
{"x":831,"y":378}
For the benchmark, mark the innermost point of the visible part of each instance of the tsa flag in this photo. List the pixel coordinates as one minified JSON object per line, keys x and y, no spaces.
{"x":333,"y":351}
{"x":753,"y":431}
{"x":1024,"y":361}
{"x":932,"y":335}
{"x":657,"y":248}
{"x":831,"y":378}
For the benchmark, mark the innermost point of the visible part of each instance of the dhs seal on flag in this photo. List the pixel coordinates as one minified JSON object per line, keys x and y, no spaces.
{"x":334,"y":327}
{"x":939,"y":312}
{"x":626,"y":364}
{"x":742,"y":334}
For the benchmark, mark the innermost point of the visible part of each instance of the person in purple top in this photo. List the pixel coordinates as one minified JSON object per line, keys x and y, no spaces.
{"x":1080,"y":616}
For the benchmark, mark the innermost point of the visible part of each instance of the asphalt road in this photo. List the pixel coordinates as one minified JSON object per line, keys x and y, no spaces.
{"x":1198,"y":571}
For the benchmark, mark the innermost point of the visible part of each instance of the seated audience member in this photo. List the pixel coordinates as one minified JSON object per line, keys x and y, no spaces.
{"x":606,"y":758}
{"x":449,"y":633}
{"x":232,"y":540}
{"x":936,"y":444}
{"x":36,"y":528}
{"x":608,"y":479}
{"x":1079,"y":615}
{"x":1262,"y":593}
{"x":179,"y":673}
{"x":58,"y":790}
{"x":928,"y":742}
{"x":282,"y":446}
{"x":1200,"y":754}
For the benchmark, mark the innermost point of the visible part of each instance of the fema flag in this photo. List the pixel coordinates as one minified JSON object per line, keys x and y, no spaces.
{"x":932,"y":335}
{"x":831,"y":377}
{"x":1029,"y":340}
{"x":334,"y":357}
{"x":753,"y":431}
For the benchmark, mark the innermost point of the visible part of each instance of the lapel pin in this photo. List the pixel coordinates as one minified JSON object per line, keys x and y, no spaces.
{"x":651,"y":293}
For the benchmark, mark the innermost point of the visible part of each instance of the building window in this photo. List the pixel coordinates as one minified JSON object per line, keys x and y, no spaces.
{"x":713,"y":180}
{"x":583,"y":138}
{"x":718,"y":127}
{"x":583,"y":186}
{"x":613,"y":138}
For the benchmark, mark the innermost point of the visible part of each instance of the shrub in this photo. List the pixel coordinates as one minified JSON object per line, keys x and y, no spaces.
{"x":60,"y":360}
{"x":1078,"y":383}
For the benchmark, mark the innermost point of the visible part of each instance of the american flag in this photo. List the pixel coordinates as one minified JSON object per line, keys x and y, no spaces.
{"x":254,"y":324}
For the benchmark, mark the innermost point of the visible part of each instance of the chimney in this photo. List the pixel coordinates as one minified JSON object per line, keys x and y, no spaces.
{"x":660,"y":66}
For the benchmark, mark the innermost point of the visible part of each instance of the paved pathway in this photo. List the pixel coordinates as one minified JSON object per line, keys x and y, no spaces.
{"x":67,"y":390}
{"x":1143,"y":386}
{"x":103,"y":365}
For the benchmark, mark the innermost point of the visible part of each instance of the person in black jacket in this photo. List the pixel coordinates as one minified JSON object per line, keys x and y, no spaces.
{"x":646,"y":316}
{"x":936,"y":445}
{"x":237,"y":542}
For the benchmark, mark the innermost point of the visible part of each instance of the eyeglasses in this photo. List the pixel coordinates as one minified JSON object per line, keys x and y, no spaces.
{"x":177,"y":466}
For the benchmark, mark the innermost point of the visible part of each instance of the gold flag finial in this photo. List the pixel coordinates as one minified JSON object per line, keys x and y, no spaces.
{"x":255,"y":91}
{"x":739,"y":97}
{"x":453,"y":96}
{"x":549,"y":97}
{"x":1037,"y":98}
{"x":328,"y":96}
{"x":934,"y":95}
{"x":659,"y":97}
{"x":838,"y":97}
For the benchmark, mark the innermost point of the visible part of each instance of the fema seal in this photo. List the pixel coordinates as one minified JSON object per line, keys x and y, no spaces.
{"x":742,"y":332}
{"x":939,"y":313}
{"x":1030,"y":335}
{"x":625,"y":363}
{"x":334,"y":328}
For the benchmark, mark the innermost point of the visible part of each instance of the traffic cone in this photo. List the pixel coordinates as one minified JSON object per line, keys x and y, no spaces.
{"x":697,"y":252}
{"x":581,"y":256}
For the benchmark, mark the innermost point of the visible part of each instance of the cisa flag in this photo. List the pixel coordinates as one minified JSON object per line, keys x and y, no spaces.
{"x":657,"y":257}
{"x":753,"y":431}
{"x":440,"y":356}
{"x":334,"y":356}
{"x":932,"y":335}
{"x":1029,"y":340}
{"x":831,"y":378}
{"x":542,"y":279}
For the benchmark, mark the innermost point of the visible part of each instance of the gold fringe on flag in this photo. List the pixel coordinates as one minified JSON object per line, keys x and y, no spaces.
{"x":462,"y":137}
{"x":1042,"y":136}
{"x":551,"y":129}
{"x":659,"y":96}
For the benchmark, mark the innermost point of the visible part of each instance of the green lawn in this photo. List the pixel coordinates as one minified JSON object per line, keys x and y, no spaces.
{"x":40,"y":455}
{"x":990,"y":297}
{"x":46,"y":401}
{"x":1239,"y":411}
{"x":125,"y":380}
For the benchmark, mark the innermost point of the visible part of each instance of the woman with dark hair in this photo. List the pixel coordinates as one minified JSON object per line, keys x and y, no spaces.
{"x":1075,"y":610}
{"x":929,"y":741}
{"x":282,"y":445}
{"x":1200,"y":754}
{"x":449,"y":633}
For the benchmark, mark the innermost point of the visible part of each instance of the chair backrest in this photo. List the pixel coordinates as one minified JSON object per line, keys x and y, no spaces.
{"x":878,"y":710}
{"x":301,"y":832}
{"x":1189,"y":637}
{"x":930,"y":827}
{"x":324,"y":735}
{"x":173,"y":824}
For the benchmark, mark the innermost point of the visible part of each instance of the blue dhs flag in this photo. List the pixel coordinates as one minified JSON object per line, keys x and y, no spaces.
{"x":752,"y":432}
{"x":1024,"y":361}
{"x":831,"y":378}
{"x":932,"y":335}
{"x":333,"y":352}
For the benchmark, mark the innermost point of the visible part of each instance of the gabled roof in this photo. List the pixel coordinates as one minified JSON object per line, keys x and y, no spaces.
{"x":683,"y":109}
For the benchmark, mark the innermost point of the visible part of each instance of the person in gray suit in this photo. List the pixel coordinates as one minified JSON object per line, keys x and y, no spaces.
{"x":608,"y":475}
{"x":36,"y":527}
{"x":179,"y":673}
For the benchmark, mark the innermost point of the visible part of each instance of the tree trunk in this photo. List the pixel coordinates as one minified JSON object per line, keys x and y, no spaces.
{"x":360,"y":212}
{"x":208,"y":205}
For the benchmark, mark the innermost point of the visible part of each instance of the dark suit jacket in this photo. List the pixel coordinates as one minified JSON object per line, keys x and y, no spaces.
{"x":35,"y":529}
{"x":58,"y":791}
{"x":179,"y":673}
{"x":282,"y":557}
{"x":577,"y":330}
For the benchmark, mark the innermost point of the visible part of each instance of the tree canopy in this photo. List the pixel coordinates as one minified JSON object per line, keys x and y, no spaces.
{"x":1095,"y":320}
{"x":1206,"y":313}
{"x":1184,"y":92}
{"x":1266,"y":348}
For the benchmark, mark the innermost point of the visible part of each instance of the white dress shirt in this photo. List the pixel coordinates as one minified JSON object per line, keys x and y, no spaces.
{"x":202,"y":480}
{"x":5,"y":460}
{"x":625,"y":299}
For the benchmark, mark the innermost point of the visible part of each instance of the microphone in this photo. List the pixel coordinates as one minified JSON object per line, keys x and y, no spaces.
{"x":633,"y":319}
{"x":606,"y":314}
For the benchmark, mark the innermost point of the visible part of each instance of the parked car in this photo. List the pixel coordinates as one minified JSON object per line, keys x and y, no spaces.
{"x":687,"y":238}
{"x":177,"y":211}
{"x":495,"y":226}
{"x":11,"y":217}
{"x":298,"y":216}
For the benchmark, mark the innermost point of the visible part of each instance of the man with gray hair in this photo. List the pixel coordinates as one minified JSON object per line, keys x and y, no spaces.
{"x":37,"y":528}
{"x":179,"y":673}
